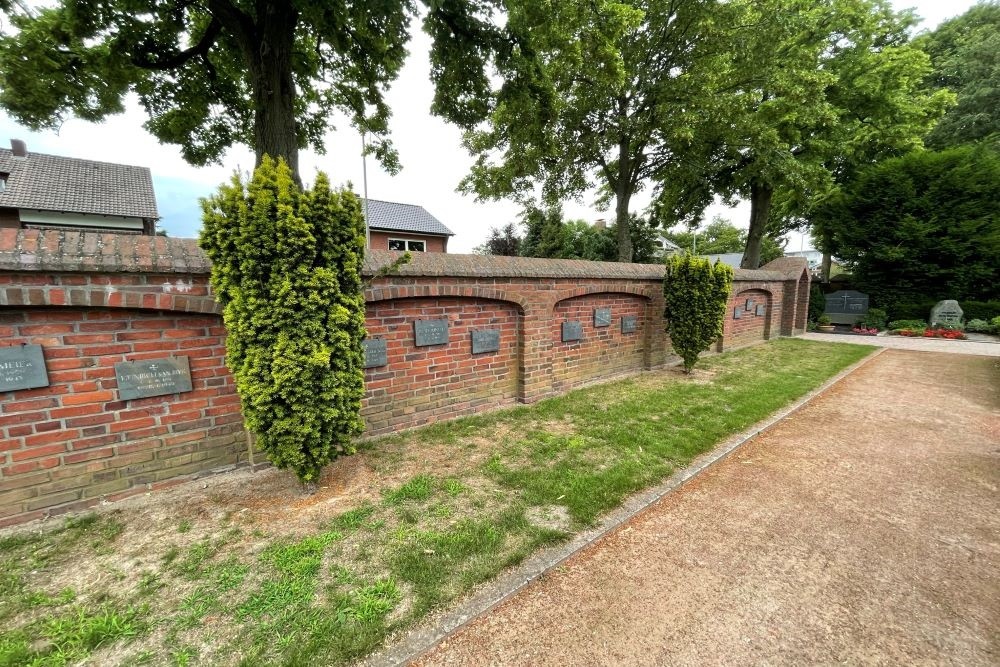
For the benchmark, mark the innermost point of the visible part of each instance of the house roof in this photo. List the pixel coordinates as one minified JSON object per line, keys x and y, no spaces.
{"x":397,"y":217}
{"x":733,"y":259}
{"x":71,"y":185}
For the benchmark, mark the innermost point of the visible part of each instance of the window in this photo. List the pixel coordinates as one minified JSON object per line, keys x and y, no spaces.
{"x":407,"y":244}
{"x":3,"y":181}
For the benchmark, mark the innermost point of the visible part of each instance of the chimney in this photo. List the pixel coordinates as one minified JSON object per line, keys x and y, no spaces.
{"x":600,"y":223}
{"x":19,"y":148}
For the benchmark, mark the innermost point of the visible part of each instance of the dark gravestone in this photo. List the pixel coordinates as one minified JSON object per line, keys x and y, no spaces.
{"x":572,"y":331}
{"x":602,"y":317}
{"x":485,"y":340}
{"x":737,"y":313}
{"x":376,"y":353}
{"x":629,"y":324}
{"x":22,"y":367}
{"x":750,"y":303}
{"x":846,"y":306}
{"x":430,"y":332}
{"x":153,"y":377}
{"x":760,"y":309}
{"x":947,"y":312}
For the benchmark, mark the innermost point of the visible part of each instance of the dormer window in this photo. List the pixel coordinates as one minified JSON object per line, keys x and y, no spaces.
{"x":3,"y":181}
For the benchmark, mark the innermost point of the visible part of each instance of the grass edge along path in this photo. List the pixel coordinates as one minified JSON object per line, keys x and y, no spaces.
{"x":537,"y":475}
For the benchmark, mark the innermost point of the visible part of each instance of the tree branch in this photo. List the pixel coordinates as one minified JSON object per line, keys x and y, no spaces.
{"x":144,"y":60}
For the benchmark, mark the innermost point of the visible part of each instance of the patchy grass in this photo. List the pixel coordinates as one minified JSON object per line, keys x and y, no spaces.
{"x":221,"y":589}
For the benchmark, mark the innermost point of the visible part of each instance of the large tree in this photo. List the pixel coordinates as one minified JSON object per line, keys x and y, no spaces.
{"x":624,"y":101}
{"x":264,"y":73}
{"x":721,"y":236}
{"x":965,"y":53}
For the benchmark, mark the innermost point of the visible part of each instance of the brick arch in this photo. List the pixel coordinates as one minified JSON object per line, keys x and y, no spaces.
{"x":376,"y":294}
{"x":181,"y":298}
{"x":588,"y":290}
{"x":746,"y":329}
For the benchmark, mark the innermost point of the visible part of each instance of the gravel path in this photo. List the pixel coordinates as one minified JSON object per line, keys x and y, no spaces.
{"x":863,"y":529}
{"x":984,"y":348}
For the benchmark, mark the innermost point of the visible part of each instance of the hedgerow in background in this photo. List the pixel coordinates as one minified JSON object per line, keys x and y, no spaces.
{"x":286,"y":267}
{"x":817,"y":303}
{"x":696,"y":292}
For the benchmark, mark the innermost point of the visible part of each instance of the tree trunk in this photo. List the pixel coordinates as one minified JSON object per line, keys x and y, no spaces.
{"x":760,"y":209}
{"x":623,"y":194}
{"x":824,"y":271}
{"x":274,"y":127}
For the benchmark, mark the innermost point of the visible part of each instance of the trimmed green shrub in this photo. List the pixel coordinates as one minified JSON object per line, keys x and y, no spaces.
{"x":971,"y":310}
{"x":696,"y":293}
{"x":995,"y":324}
{"x":286,"y":267}
{"x":875,"y":318}
{"x":980,"y":310}
{"x":817,"y":302}
{"x":907,"y":324}
{"x":978,"y":326}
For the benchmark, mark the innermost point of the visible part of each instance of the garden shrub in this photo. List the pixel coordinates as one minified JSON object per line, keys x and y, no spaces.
{"x":980,"y":310}
{"x":696,"y":293}
{"x":908,"y":324}
{"x":875,"y":318}
{"x":995,"y":324}
{"x":286,"y":267}
{"x":817,"y":302}
{"x":978,"y":326}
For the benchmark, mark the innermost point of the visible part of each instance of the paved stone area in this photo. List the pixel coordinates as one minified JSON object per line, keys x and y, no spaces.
{"x":918,"y":344}
{"x":863,"y":529}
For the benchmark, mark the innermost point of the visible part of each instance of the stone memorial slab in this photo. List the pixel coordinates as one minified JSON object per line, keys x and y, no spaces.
{"x":430,"y":332}
{"x":947,"y":312}
{"x":750,"y":304}
{"x":846,"y":306}
{"x":22,"y":367}
{"x":629,"y":324}
{"x":737,"y":313}
{"x":376,"y":352}
{"x":572,"y":331}
{"x":602,"y":317}
{"x":153,"y":377}
{"x":485,"y":340}
{"x":760,"y":310}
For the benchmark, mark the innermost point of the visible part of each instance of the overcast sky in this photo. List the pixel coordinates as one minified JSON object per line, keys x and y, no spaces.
{"x":430,"y":151}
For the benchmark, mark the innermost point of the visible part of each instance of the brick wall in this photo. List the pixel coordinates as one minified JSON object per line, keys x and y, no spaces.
{"x":92,"y":300}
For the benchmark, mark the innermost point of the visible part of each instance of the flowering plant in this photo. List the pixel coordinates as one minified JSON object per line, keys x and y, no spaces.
{"x":865,"y":331}
{"x":950,"y":334}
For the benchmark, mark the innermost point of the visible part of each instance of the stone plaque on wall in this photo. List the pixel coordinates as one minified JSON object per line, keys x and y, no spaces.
{"x":750,"y":304}
{"x":602,"y":317}
{"x":629,"y":324}
{"x":485,"y":340}
{"x":430,"y":332}
{"x":22,"y":367}
{"x":737,"y":313}
{"x":376,"y":353}
{"x":153,"y":377}
{"x":760,"y":309}
{"x":572,"y":331}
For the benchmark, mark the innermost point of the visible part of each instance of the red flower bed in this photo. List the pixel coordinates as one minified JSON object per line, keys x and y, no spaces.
{"x":865,"y":331}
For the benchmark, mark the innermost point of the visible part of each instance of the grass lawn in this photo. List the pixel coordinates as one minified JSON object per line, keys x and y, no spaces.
{"x":239,"y":587}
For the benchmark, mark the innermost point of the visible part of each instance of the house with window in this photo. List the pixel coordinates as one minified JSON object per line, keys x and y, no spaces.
{"x":395,"y":226}
{"x":39,"y":191}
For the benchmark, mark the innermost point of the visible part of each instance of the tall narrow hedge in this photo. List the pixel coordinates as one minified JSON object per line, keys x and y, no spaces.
{"x":286,"y":267}
{"x":696,"y":292}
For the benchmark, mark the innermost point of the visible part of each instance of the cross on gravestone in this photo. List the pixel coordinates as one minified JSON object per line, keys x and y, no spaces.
{"x":846,"y":306}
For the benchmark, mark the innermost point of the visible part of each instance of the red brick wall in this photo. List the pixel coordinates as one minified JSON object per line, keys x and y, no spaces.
{"x":603,"y":351}
{"x":380,"y":240}
{"x":92,"y":300}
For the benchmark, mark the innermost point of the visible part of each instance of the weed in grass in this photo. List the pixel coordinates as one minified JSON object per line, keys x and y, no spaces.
{"x":417,"y":489}
{"x":184,"y":526}
{"x":170,"y":555}
{"x":149,"y":583}
{"x":453,"y":487}
{"x":183,"y":656}
{"x":355,"y":518}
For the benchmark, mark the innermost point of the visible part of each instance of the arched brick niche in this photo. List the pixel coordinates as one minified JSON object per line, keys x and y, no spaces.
{"x":423,"y":384}
{"x":754,"y":323}
{"x":601,"y":351}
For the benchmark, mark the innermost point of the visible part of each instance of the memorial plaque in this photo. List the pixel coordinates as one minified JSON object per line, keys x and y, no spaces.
{"x":760,"y":310}
{"x":750,"y":304}
{"x":737,"y":313}
{"x":485,"y":340}
{"x":947,"y":312}
{"x":376,"y":353}
{"x":153,"y":377}
{"x":22,"y":367}
{"x":430,"y":332}
{"x":846,"y":306}
{"x":602,"y":317}
{"x":572,"y":331}
{"x":629,"y":324}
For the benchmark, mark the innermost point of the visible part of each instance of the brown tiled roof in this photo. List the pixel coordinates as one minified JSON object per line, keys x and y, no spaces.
{"x":70,"y":185}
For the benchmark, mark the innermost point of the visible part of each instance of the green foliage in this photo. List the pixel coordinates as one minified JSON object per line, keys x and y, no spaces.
{"x":907,"y":324}
{"x":875,"y":318}
{"x":965,"y":55}
{"x":980,"y":310}
{"x":824,"y":321}
{"x":995,"y":324}
{"x":922,"y":226}
{"x":505,"y":242}
{"x":817,"y":302}
{"x":696,"y":294}
{"x":286,"y":267}
{"x":721,"y":236}
{"x":549,"y":235}
{"x":978,"y":326}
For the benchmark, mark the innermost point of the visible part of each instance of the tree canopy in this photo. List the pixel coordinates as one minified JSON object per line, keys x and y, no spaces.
{"x":266,"y":74}
{"x":548,"y":235}
{"x":965,"y":54}
{"x":721,"y":236}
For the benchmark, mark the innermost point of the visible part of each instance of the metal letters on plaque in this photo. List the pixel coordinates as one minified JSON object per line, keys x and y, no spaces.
{"x":153,"y":377}
{"x":750,"y":303}
{"x":737,"y":313}
{"x":572,"y":331}
{"x":602,"y":317}
{"x":430,"y":332}
{"x":485,"y":340}
{"x":22,"y":367}
{"x":629,"y":324}
{"x":375,"y":352}
{"x":760,"y":309}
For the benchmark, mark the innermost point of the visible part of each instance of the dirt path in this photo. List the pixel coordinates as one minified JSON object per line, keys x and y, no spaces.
{"x":864,"y":529}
